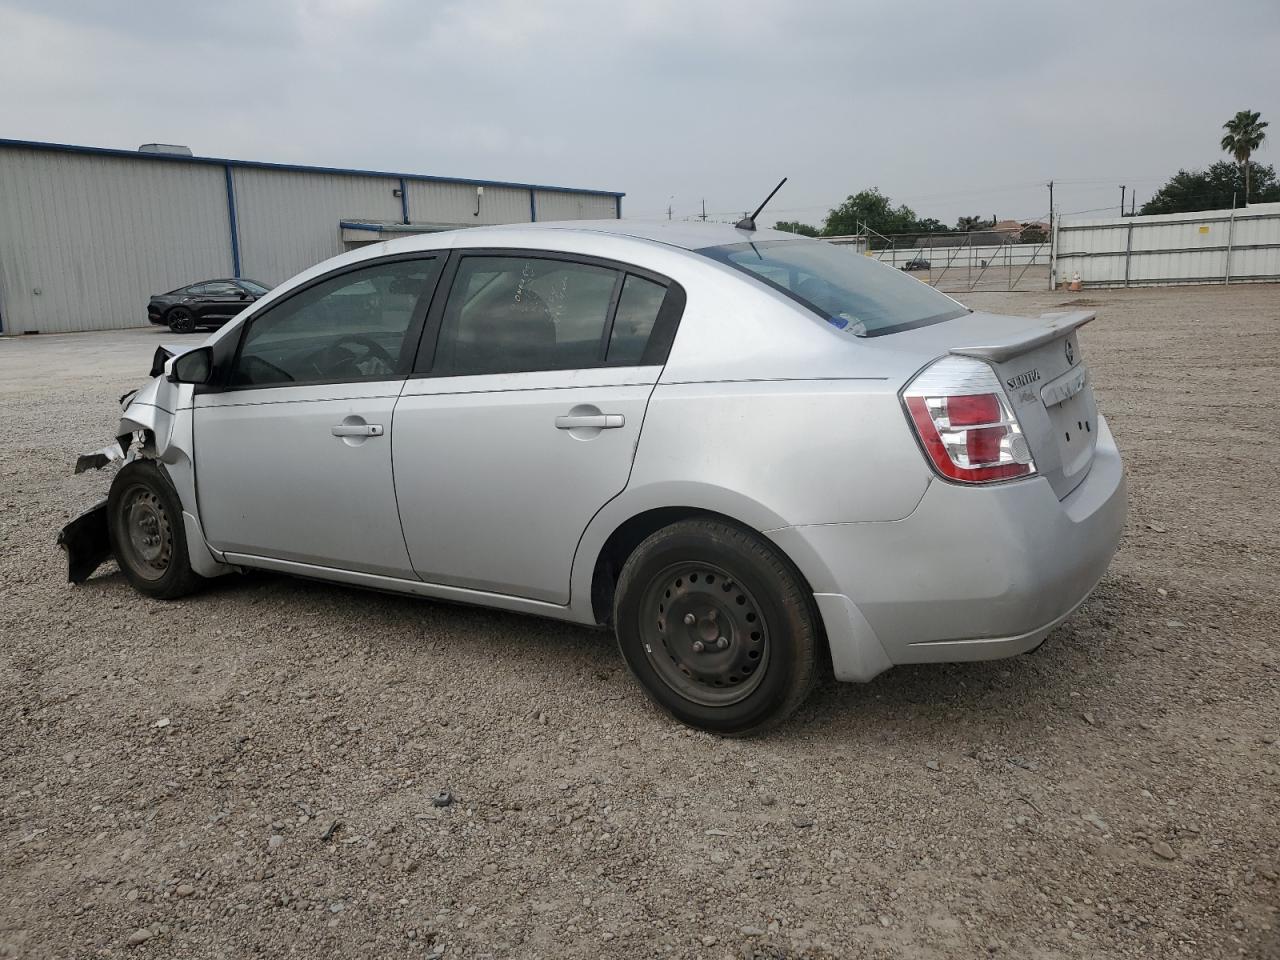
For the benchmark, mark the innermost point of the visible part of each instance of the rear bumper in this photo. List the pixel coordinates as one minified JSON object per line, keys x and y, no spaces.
{"x":974,"y":573}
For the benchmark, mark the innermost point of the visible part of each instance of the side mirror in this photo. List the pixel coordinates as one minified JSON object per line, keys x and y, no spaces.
{"x":194,"y":366}
{"x":244,"y":294}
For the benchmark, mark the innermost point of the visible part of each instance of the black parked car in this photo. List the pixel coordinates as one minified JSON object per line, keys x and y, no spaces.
{"x":917,"y":263}
{"x":208,"y":304}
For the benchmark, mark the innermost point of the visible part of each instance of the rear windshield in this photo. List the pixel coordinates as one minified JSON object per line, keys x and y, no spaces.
{"x":848,"y":290}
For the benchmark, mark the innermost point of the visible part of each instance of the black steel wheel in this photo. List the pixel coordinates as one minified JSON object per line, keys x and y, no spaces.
{"x":718,"y":626}
{"x":181,"y":320}
{"x":144,"y":521}
{"x":710,"y":644}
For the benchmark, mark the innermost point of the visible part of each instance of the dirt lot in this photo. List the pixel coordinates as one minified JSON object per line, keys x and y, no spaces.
{"x":252,"y":770}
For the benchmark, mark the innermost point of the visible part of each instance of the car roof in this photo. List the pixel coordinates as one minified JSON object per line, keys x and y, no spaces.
{"x":676,"y":233}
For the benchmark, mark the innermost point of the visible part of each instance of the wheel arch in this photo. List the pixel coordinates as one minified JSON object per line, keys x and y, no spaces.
{"x":167,"y":439}
{"x":625,"y":523}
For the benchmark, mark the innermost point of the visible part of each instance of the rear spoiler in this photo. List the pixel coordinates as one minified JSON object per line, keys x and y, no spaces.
{"x":1057,"y":325}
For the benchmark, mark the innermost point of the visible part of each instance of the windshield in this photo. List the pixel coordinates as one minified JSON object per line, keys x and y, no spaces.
{"x":848,"y":290}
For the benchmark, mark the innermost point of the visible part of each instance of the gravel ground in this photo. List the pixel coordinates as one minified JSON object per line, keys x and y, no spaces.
{"x":253,"y":770}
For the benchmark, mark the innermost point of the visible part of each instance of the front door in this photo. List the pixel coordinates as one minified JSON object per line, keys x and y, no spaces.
{"x":524,"y":421}
{"x":293,"y":453}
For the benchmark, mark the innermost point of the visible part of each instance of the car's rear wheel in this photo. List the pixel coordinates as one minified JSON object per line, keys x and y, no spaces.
{"x":181,"y":320}
{"x":718,"y":626}
{"x":144,"y":521}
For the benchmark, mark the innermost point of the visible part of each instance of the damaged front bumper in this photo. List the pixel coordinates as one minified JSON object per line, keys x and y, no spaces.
{"x":86,"y":542}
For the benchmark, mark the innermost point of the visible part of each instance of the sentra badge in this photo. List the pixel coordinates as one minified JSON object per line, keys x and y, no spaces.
{"x":1023,"y":379}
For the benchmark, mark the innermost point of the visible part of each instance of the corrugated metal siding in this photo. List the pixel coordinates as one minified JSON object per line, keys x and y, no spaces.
{"x":97,"y":235}
{"x":553,"y":205}
{"x":289,"y":221}
{"x":1172,"y":248}
{"x":97,"y":232}
{"x":455,"y":203}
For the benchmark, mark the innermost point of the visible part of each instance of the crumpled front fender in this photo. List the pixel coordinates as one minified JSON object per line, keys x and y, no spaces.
{"x":156,"y":424}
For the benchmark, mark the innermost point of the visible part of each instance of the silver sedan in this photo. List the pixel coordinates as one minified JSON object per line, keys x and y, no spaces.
{"x":747,"y":452}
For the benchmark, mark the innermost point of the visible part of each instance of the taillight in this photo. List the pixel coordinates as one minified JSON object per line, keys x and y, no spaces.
{"x":965,"y":424}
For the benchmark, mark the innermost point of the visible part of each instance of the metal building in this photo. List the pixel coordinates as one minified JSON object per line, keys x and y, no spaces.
{"x":87,"y":234}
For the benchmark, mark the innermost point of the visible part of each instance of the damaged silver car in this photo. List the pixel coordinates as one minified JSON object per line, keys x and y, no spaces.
{"x":746,"y":451}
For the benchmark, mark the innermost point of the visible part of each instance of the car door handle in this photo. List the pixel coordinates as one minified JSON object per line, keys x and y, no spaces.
{"x":356,"y":429}
{"x":601,"y":421}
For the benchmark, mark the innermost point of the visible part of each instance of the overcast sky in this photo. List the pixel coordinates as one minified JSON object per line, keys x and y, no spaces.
{"x":953,"y":108}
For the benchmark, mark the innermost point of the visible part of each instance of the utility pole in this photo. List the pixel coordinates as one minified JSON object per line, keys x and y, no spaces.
{"x":1122,"y":199}
{"x":1133,"y":203}
{"x":703,"y":218}
{"x":1052,"y":282}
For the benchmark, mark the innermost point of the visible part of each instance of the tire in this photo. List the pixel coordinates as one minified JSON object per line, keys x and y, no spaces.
{"x":181,"y":320}
{"x":709,"y":582}
{"x":148,"y":539}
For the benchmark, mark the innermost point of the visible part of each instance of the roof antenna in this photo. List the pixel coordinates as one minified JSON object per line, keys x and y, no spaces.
{"x":749,"y":223}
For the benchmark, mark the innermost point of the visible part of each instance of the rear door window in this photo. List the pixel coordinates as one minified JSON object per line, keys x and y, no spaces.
{"x":638,"y":309}
{"x":516,"y":314}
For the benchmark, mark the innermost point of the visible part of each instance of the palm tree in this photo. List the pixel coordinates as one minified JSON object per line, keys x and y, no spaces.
{"x":1244,"y":135}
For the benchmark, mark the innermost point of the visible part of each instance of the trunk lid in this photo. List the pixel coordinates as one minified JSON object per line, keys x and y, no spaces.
{"x":1045,"y":377}
{"x":1041,"y":366}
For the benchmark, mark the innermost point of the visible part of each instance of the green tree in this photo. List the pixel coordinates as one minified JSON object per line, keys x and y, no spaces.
{"x":795,"y":226}
{"x":965,"y":224}
{"x":1190,"y":190}
{"x":930,"y":225}
{"x":1244,"y":135}
{"x":872,"y":209}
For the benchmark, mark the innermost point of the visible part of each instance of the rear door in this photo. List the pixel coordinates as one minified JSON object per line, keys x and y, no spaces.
{"x":522,"y":416}
{"x":293,"y":452}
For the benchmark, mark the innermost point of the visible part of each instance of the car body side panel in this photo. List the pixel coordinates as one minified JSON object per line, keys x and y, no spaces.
{"x":974,"y":572}
{"x":733,"y":447}
{"x":827,"y":451}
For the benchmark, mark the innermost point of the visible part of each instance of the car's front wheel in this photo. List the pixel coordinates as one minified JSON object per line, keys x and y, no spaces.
{"x":181,"y":320}
{"x":144,"y":522}
{"x":718,"y":626}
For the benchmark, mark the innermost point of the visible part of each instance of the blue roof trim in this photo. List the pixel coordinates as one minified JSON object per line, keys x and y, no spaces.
{"x":292,"y":167}
{"x":353,"y":225}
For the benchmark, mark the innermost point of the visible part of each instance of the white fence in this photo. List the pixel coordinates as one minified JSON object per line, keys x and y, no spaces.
{"x":1211,"y":246}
